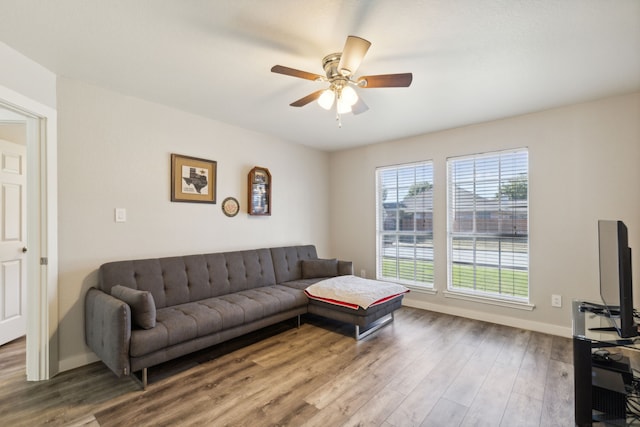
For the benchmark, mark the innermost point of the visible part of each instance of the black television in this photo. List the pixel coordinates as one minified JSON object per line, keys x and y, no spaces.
{"x":615,"y":276}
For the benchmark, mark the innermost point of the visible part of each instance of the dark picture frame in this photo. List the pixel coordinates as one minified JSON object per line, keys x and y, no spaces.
{"x":259,"y":200}
{"x":193,"y":179}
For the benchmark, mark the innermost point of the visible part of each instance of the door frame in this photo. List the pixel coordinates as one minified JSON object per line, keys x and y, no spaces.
{"x":42,"y":233}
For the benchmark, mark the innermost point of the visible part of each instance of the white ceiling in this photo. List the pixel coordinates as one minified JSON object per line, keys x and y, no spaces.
{"x":472,"y":60}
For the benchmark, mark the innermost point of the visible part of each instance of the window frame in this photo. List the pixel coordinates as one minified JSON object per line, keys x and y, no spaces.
{"x":498,"y":236}
{"x":398,"y":233}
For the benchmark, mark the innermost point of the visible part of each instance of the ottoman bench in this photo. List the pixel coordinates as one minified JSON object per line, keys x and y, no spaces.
{"x":365,"y":303}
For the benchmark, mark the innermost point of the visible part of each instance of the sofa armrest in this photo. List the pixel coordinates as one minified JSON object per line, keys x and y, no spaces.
{"x":345,"y":268}
{"x":107,"y":325}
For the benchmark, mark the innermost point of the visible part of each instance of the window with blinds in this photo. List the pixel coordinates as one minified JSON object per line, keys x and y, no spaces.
{"x":404,"y":218}
{"x":488,"y":224}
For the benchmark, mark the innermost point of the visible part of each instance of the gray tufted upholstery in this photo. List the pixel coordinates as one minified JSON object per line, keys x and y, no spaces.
{"x":286,"y":261}
{"x":179,"y":280}
{"x":186,"y":322}
{"x":200,"y":300}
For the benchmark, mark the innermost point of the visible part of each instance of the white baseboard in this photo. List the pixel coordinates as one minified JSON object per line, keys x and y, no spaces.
{"x":546,"y":328}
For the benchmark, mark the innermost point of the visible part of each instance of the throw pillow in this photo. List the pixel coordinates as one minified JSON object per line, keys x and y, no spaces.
{"x":143,"y":307}
{"x":312,"y":268}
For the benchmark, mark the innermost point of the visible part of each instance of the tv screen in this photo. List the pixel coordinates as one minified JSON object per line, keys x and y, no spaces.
{"x":615,"y":276}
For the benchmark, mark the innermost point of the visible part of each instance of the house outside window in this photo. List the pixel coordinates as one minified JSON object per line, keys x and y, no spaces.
{"x":404,"y":224}
{"x":488,"y":225}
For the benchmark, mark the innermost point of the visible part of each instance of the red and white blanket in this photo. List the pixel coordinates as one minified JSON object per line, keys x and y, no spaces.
{"x":353,"y":291}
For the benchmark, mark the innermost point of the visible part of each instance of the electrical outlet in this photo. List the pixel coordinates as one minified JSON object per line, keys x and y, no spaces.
{"x":556,"y":300}
{"x":120,"y":215}
{"x":363,"y":273}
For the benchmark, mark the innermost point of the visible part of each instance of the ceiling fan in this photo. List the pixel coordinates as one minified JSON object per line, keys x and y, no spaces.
{"x":340,"y":69}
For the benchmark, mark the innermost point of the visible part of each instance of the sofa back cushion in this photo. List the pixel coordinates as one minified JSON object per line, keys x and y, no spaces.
{"x":178,"y":280}
{"x":287,"y":261}
{"x":314,"y":268}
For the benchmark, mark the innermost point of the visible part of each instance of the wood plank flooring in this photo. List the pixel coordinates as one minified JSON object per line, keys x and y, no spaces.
{"x":425,"y":369}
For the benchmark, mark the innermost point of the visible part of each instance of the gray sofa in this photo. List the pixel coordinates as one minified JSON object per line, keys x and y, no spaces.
{"x":145,"y":312}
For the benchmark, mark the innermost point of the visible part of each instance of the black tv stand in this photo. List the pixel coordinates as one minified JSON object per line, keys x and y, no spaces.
{"x":620,"y":365}
{"x":600,"y":383}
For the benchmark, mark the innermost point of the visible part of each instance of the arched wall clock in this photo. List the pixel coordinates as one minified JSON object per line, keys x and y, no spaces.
{"x":259,"y":202}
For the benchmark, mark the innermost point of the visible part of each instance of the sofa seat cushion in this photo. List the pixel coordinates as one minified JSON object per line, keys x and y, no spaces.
{"x":302,"y":284}
{"x":185,"y":322}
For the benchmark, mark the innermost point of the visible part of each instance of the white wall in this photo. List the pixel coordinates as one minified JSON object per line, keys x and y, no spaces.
{"x":114,"y":151}
{"x":584,"y":163}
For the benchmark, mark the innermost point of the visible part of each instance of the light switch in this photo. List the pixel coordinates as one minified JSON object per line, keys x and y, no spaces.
{"x":121,"y":215}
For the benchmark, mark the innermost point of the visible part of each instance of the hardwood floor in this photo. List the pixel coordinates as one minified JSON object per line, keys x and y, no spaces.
{"x":425,"y":369}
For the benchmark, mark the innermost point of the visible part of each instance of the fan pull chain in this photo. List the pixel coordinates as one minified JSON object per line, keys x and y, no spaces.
{"x":338,"y":117}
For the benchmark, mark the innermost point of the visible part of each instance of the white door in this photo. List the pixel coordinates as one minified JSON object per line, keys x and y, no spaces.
{"x":13,"y":230}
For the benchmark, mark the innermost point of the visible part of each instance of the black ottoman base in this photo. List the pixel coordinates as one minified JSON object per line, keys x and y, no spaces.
{"x":370,"y":319}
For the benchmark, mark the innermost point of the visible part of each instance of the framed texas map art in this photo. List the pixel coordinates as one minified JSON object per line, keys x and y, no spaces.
{"x":193,"y":179}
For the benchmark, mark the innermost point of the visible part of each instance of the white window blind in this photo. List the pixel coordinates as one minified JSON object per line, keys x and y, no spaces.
{"x":404,"y":219}
{"x":488,"y":225}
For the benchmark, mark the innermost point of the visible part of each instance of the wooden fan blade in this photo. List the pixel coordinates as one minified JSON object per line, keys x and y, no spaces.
{"x":359,"y":107}
{"x":280,"y":69}
{"x":307,"y":99}
{"x":386,"y":80}
{"x":355,"y":48}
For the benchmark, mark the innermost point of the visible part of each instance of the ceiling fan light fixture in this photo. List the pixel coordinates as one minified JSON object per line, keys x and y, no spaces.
{"x":326,"y":99}
{"x":348,"y":95}
{"x":340,"y":69}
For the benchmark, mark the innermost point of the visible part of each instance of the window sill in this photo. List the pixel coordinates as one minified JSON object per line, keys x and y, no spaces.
{"x":489,"y":300}
{"x":421,"y":290}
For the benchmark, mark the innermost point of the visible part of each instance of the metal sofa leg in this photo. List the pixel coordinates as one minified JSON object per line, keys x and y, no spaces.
{"x":142,"y":380}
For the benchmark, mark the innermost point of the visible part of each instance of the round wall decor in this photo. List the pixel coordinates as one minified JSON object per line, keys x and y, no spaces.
{"x":230,"y":206}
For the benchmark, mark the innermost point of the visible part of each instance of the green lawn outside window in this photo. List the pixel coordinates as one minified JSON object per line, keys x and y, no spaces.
{"x":508,"y":282}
